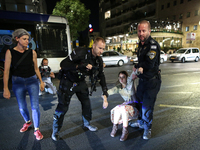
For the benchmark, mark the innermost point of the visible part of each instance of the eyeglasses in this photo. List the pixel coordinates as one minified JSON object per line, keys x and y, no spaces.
{"x":121,"y":77}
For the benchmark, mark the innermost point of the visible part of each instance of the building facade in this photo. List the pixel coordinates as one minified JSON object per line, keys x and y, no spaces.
{"x":186,"y":12}
{"x":35,"y":6}
{"x":172,"y":22}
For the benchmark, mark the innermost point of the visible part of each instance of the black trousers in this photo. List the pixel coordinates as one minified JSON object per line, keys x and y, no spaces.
{"x":65,"y":92}
{"x":147,"y":91}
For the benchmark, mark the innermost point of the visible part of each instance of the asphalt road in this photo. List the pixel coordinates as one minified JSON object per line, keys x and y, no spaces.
{"x":175,"y":125}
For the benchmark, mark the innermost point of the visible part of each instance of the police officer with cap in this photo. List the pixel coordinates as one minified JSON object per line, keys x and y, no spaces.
{"x":74,"y":68}
{"x":149,"y":80}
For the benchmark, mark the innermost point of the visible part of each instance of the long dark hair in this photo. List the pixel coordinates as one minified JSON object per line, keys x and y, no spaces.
{"x":122,"y":72}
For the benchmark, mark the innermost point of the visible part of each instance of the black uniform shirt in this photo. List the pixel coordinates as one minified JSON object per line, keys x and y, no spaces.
{"x":82,"y":57}
{"x":148,"y":58}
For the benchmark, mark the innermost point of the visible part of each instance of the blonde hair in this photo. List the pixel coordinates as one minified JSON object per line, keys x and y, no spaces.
{"x":99,"y":39}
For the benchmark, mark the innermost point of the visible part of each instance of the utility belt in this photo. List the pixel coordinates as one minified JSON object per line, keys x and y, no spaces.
{"x":157,"y":76}
{"x":147,"y":79}
{"x":75,"y":76}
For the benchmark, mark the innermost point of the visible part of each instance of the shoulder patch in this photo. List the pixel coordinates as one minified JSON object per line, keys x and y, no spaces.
{"x":153,"y":47}
{"x":152,"y":41}
{"x":151,"y":54}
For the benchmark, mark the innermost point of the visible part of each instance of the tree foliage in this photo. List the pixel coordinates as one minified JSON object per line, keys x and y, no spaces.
{"x":76,"y":14}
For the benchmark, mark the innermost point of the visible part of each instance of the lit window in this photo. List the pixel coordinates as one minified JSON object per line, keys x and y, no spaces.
{"x":187,"y":28}
{"x":107,"y":14}
{"x":188,"y":14}
{"x":195,"y":27}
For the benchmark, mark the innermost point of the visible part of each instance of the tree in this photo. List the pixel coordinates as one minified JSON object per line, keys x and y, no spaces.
{"x":76,"y":14}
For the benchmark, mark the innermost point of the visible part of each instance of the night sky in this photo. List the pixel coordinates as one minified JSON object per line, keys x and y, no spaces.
{"x":89,"y":4}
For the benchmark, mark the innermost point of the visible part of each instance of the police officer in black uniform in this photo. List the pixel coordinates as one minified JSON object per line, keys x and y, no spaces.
{"x":74,"y":68}
{"x":150,"y":80}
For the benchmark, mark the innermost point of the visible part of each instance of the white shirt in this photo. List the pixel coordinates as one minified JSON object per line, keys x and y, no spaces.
{"x":127,"y":93}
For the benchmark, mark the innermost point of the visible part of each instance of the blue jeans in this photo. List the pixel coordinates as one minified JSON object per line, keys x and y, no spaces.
{"x":22,"y":85}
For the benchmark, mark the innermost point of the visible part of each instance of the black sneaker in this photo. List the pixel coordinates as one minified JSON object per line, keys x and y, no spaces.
{"x":147,"y":134}
{"x":55,"y":136}
{"x":90,"y":127}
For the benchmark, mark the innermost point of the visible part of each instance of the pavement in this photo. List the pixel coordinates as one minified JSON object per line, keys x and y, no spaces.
{"x":73,"y":136}
{"x":175,"y":125}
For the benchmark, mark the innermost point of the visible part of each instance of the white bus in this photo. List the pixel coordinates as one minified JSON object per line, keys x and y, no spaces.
{"x":50,"y":36}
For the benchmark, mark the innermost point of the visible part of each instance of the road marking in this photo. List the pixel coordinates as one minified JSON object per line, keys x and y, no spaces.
{"x":195,"y":83}
{"x":175,"y":106}
{"x":178,"y":92}
{"x":173,"y":86}
{"x":180,"y":74}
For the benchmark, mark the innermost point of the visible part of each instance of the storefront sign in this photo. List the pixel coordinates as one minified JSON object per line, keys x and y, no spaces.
{"x":191,"y":36}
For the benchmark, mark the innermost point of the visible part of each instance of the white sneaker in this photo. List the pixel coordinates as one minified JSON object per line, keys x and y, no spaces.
{"x":147,"y":134}
{"x":46,"y":89}
{"x":90,"y":127}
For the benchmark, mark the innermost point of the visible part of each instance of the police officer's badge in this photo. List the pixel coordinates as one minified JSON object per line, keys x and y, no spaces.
{"x":152,"y":54}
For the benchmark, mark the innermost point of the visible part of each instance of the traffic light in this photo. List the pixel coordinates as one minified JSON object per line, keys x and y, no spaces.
{"x":91,"y":30}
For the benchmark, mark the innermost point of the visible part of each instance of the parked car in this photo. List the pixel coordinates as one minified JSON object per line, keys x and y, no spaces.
{"x":163,"y":58}
{"x":114,"y":58}
{"x":134,"y":59}
{"x":185,"y":54}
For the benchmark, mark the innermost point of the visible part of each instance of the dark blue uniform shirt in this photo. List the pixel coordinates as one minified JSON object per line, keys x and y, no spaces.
{"x":148,"y":58}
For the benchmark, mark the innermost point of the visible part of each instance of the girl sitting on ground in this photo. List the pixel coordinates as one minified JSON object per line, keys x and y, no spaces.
{"x":126,"y":111}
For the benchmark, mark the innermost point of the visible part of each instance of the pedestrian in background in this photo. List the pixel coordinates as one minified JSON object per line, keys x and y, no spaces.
{"x":126,"y":111}
{"x":81,"y":62}
{"x":46,"y":75}
{"x":24,"y":79}
{"x":150,"y":80}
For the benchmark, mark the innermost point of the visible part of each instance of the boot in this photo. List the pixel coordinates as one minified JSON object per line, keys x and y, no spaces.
{"x":124,"y":134}
{"x":114,"y":130}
